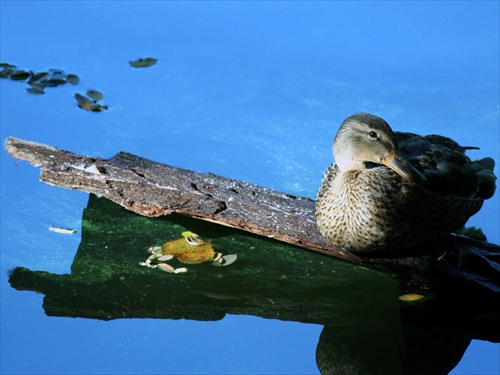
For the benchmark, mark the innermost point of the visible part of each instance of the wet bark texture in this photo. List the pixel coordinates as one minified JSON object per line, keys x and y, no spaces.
{"x":154,"y":189}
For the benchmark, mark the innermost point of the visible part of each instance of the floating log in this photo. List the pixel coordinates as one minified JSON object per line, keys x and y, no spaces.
{"x":154,"y":189}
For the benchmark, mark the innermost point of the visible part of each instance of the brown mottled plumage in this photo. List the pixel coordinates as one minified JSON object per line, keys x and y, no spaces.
{"x":390,"y":191}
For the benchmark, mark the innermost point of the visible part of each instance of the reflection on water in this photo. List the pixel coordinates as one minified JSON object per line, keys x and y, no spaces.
{"x":367,"y":329}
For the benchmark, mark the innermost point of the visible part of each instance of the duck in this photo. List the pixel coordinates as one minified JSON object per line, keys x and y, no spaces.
{"x":389,"y":191}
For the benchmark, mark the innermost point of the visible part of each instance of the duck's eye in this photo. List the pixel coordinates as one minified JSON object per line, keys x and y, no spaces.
{"x":373,"y":134}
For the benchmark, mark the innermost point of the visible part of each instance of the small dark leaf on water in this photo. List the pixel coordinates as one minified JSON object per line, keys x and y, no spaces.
{"x":36,"y":90}
{"x":37,"y":77}
{"x":7,"y":65}
{"x":57,"y":78}
{"x":37,"y":85}
{"x":56,"y":71}
{"x":59,"y":75}
{"x":72,"y":78}
{"x":94,"y":94}
{"x":143,"y":63}
{"x":6,"y":72}
{"x":20,"y":75}
{"x":53,"y":82}
{"x":99,"y":108}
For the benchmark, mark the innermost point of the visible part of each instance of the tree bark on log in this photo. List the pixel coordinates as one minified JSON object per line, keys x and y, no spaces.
{"x":154,"y":189}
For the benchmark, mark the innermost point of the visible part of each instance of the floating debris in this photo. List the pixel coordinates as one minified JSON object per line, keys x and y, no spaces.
{"x":52,"y":78}
{"x":226,"y":260}
{"x":37,"y":90}
{"x":166,"y":267}
{"x":62,"y":230}
{"x":57,"y":73}
{"x":143,"y":63}
{"x":37,"y":85}
{"x":164,"y":258}
{"x":53,"y":82}
{"x":88,"y":105}
{"x":94,"y":94}
{"x":410,"y":297}
{"x":99,"y":108}
{"x":84,"y":102}
{"x":191,"y":249}
{"x":20,"y":75}
{"x":181,"y":270}
{"x":55,"y":77}
{"x":6,"y":72}
{"x":72,"y":78}
{"x":37,"y":77}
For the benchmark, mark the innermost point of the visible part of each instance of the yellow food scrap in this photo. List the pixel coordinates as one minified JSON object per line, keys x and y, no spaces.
{"x":411,"y":297}
{"x":190,"y":249}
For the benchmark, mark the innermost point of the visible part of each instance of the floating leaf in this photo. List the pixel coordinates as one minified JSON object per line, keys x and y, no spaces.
{"x":36,"y":90}
{"x":57,"y":73}
{"x":20,"y":75}
{"x":37,"y":85}
{"x":84,"y":102}
{"x":99,"y":108}
{"x":57,"y":77}
{"x":6,"y":72}
{"x":72,"y":78}
{"x":53,"y":82}
{"x":94,"y":94}
{"x":7,"y":65}
{"x":143,"y":63}
{"x":88,"y":105}
{"x":37,"y":77}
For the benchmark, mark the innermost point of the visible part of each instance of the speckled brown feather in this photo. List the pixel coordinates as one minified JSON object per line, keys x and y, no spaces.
{"x":374,"y":209}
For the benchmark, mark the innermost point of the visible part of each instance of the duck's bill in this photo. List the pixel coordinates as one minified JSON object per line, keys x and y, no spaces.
{"x":401,"y":166}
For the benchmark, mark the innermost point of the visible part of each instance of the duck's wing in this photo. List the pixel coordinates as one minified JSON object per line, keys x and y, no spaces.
{"x":327,"y":181}
{"x":448,"y":170}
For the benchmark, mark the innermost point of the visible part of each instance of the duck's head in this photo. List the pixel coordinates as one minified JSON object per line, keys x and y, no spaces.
{"x":363,"y":139}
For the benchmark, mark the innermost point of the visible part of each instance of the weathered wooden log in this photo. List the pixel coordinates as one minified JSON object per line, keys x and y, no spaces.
{"x":154,"y":189}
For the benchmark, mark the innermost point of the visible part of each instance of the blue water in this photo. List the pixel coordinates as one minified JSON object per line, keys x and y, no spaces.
{"x":250,"y":90}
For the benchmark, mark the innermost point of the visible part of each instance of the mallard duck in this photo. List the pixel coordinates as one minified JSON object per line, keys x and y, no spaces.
{"x":390,"y":190}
